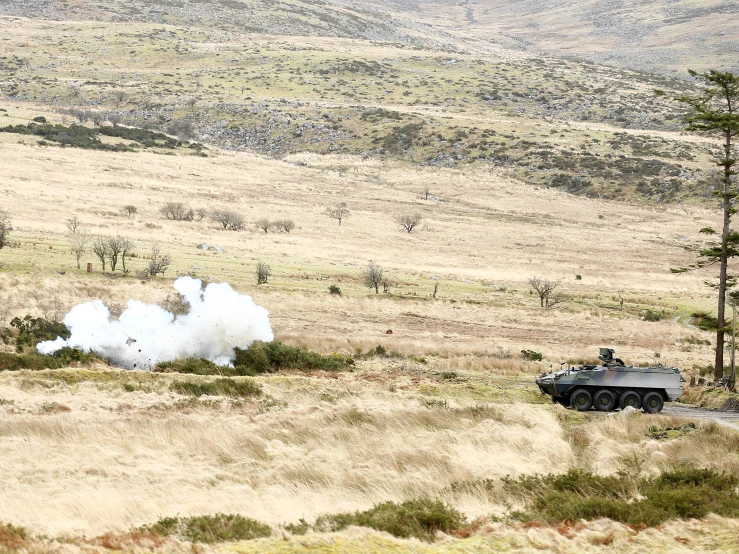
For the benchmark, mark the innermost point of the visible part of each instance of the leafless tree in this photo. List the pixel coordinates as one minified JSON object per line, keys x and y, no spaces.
{"x":338,"y":212}
{"x":201,"y":213}
{"x":79,"y":241}
{"x":114,"y":118}
{"x":263,"y":273}
{"x":159,"y":262}
{"x":264,"y":224}
{"x":130,"y":210}
{"x":118,"y":97}
{"x":372,"y":276}
{"x":50,"y":304}
{"x":115,"y":247}
{"x":409,"y":221}
{"x":436,"y":289}
{"x":127,"y":246}
{"x":76,"y":91}
{"x":5,"y":227}
{"x":544,"y":288}
{"x":284,"y":225}
{"x":426,"y":192}
{"x":73,"y":223}
{"x":100,"y":249}
{"x":177,"y":211}
{"x":192,"y":102}
{"x":97,"y":118}
{"x":229,"y":219}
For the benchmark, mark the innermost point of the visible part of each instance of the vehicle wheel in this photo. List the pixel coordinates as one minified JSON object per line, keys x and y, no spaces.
{"x":581,"y":400}
{"x":630,"y":398}
{"x":653,"y":402}
{"x":604,"y":400}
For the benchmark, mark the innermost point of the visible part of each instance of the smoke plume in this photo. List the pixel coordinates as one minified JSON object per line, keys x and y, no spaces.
{"x":220,"y":319}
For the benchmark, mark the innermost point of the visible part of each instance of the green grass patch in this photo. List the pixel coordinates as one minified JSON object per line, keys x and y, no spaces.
{"x":575,"y":495}
{"x":80,"y":136}
{"x":16,"y":362}
{"x":419,"y":518}
{"x":210,"y":529}
{"x":220,"y":387}
{"x":262,"y":357}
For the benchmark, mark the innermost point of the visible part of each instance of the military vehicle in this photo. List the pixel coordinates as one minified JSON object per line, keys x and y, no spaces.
{"x":613,"y":385}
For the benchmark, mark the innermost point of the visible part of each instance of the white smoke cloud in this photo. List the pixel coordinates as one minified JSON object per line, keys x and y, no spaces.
{"x":220,"y":320}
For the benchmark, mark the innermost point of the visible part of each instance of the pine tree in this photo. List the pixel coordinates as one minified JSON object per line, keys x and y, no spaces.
{"x":715,"y":110}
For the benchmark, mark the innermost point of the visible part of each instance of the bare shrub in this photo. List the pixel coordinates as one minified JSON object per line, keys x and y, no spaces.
{"x":174,"y":303}
{"x":409,"y":221}
{"x":182,"y":129}
{"x":129,"y":210}
{"x":115,"y":247}
{"x":338,"y":212}
{"x":73,"y":223}
{"x":114,"y":118}
{"x":263,"y":272}
{"x":177,"y":211}
{"x":201,"y":213}
{"x":372,"y":276}
{"x":545,"y":289}
{"x":229,"y":219}
{"x":284,"y":225}
{"x":159,"y":262}
{"x":5,"y":227}
{"x":100,"y":249}
{"x":78,"y":242}
{"x":264,"y":224}
{"x":127,"y":247}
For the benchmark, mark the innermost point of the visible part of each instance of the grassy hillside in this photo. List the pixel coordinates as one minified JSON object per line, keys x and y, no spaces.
{"x":575,"y":126}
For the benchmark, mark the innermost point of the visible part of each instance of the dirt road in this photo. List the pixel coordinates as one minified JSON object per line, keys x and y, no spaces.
{"x":730,"y":419}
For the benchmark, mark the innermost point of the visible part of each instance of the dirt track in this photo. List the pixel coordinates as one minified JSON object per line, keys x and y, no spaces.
{"x":731,"y":419}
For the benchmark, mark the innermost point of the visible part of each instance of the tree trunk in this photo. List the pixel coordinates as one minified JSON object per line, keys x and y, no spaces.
{"x":721,"y":318}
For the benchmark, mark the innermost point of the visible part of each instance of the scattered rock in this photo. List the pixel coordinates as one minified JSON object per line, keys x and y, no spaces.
{"x":211,"y":247}
{"x":628,"y":411}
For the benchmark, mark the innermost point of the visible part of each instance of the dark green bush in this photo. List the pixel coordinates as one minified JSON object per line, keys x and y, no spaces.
{"x":32,"y":330}
{"x":681,"y":494}
{"x":210,"y":529}
{"x":531,"y":355}
{"x":414,"y":518}
{"x":261,"y":357}
{"x":219,"y":387}
{"x":281,"y":356}
{"x":15,"y":362}
{"x":334,"y":289}
{"x":651,"y":315}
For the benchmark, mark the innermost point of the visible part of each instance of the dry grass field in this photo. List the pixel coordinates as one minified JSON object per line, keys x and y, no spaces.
{"x":119,"y":449}
{"x":297,"y":107}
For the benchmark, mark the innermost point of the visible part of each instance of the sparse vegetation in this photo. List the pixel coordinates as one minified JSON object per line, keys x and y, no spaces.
{"x":409,"y":221}
{"x":576,"y":495}
{"x":372,"y":276}
{"x":263,"y":272}
{"x":210,"y":529}
{"x":241,"y":388}
{"x":228,"y":218}
{"x":5,"y":227}
{"x":413,"y":518}
{"x":177,"y":211}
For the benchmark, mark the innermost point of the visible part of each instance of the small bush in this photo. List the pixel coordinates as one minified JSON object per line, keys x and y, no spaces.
{"x":12,"y":538}
{"x":219,"y":387}
{"x":196,"y":366}
{"x":651,"y":315}
{"x":39,"y":119}
{"x":531,"y":355}
{"x":210,"y":529}
{"x":414,"y":518}
{"x":575,"y":495}
{"x":281,"y":356}
{"x":334,"y":289}
{"x":32,"y":330}
{"x":15,"y":362}
{"x":578,"y":277}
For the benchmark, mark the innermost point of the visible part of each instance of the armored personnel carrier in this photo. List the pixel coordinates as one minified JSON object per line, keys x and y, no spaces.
{"x":613,"y":385}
